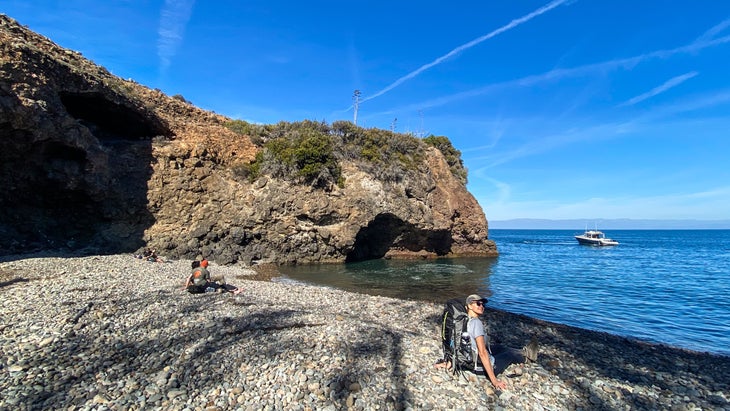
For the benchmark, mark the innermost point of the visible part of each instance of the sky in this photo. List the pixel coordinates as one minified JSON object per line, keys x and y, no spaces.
{"x":575,"y":109}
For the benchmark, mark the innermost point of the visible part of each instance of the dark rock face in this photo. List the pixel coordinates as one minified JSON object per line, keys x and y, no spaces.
{"x":92,"y":162}
{"x":74,"y":155}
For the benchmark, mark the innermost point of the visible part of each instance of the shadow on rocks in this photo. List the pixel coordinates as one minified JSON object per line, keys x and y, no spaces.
{"x":373,"y":343}
{"x":99,"y":354}
{"x":580,"y":357}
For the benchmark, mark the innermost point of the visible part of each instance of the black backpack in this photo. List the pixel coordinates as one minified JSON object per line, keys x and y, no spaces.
{"x":454,"y":337}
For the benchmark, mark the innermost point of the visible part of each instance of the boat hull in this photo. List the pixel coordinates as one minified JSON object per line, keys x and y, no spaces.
{"x":587,"y":241}
{"x":595,"y":238}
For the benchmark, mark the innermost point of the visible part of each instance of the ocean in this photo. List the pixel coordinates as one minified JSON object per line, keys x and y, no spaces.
{"x":665,"y":286}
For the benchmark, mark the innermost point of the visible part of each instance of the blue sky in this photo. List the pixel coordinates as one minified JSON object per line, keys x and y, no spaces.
{"x":565,"y":109}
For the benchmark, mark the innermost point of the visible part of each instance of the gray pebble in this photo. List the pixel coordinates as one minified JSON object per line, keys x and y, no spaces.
{"x":136,"y":341}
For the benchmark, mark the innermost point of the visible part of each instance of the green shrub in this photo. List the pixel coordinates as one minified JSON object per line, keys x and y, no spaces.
{"x":308,"y":152}
{"x":256,"y":132}
{"x":180,"y":97}
{"x":305,"y":154}
{"x":248,"y":171}
{"x":400,"y":152}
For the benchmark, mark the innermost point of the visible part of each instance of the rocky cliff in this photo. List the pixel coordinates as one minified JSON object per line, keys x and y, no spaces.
{"x":90,"y":161}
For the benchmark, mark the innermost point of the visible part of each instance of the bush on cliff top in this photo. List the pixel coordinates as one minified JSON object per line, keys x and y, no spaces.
{"x":305,"y":154}
{"x":308,"y":151}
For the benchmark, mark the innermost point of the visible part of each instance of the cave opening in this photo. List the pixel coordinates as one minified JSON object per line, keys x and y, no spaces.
{"x":387,"y":232}
{"x":109,"y":121}
{"x":374,"y":240}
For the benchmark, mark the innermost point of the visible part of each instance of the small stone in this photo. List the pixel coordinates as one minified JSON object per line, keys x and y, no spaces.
{"x":505,"y":396}
{"x":100,"y":399}
{"x":136,"y":359}
{"x":174,"y":393}
{"x":45,"y":342}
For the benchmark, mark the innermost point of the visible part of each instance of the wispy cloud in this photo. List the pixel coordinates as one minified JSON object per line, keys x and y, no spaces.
{"x":514,"y":23}
{"x":670,"y":206}
{"x":549,"y":142}
{"x":504,"y":190}
{"x":558,"y":74}
{"x":673,"y":82}
{"x":714,"y":31}
{"x":645,"y":124}
{"x":714,"y":99}
{"x":173,"y":18}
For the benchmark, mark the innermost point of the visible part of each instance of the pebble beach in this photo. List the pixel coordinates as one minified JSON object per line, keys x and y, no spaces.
{"x":119,"y":333}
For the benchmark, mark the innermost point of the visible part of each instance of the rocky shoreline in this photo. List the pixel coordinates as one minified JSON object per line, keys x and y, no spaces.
{"x":117,"y":333}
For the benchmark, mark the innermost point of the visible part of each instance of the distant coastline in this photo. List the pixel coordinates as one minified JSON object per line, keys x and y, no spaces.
{"x":609,"y":224}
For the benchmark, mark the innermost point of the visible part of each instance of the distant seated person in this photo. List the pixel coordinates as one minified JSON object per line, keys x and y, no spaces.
{"x":150,"y":255}
{"x":200,"y":281}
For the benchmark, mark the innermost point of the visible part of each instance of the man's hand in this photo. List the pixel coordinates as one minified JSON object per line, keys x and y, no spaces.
{"x":500,"y":385}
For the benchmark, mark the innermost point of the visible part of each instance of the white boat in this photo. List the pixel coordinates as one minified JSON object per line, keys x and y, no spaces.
{"x":595,"y":237}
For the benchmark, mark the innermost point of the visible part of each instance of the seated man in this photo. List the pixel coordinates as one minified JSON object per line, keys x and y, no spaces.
{"x":493,"y":361}
{"x":201,"y":281}
{"x":488,"y":359}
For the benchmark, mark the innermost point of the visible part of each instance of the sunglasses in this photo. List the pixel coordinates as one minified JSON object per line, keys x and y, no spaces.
{"x":478,"y":303}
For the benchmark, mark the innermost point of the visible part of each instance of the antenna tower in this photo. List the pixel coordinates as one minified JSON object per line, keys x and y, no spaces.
{"x":356,"y":103}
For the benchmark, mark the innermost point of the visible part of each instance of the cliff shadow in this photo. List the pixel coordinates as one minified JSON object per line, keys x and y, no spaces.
{"x":76,"y":182}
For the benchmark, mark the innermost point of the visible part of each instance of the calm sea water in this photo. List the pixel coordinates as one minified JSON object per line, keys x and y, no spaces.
{"x":669,"y":286}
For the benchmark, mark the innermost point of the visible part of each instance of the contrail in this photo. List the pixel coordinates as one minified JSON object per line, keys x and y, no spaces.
{"x":514,"y":23}
{"x":175,"y":15}
{"x":673,"y":82}
{"x":557,"y":74}
{"x":711,"y":33}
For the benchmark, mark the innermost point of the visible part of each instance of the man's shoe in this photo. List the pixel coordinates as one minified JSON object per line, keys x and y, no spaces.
{"x":530,"y":350}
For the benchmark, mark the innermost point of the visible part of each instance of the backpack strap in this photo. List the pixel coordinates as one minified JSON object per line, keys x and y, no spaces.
{"x":487,"y":339}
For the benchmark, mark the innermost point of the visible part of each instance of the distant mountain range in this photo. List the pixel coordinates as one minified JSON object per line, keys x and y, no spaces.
{"x":608,"y":224}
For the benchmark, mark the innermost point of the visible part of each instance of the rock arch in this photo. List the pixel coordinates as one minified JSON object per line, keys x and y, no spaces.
{"x":387,"y":234}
